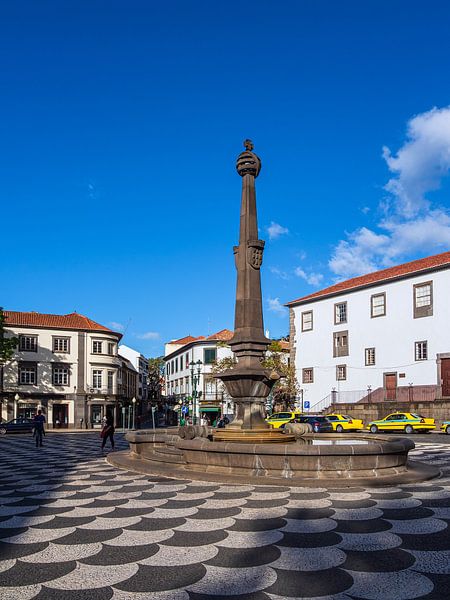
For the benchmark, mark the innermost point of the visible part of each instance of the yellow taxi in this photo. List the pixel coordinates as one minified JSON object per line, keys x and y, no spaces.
{"x":445,"y":427}
{"x":343,"y":423}
{"x":402,"y":421}
{"x":280,"y":418}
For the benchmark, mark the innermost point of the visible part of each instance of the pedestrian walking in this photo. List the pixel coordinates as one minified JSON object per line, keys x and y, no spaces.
{"x":108,"y":431}
{"x":39,"y":431}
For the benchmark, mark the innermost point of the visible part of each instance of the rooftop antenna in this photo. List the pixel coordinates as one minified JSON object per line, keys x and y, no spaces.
{"x":126,"y":326}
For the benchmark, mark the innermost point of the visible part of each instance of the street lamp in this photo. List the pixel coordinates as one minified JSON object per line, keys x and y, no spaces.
{"x":134,"y":411}
{"x":195,"y":379}
{"x":16,"y":398}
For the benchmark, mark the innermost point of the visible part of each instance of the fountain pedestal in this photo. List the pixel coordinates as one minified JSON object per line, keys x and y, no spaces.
{"x":249,"y":388}
{"x":249,"y":450}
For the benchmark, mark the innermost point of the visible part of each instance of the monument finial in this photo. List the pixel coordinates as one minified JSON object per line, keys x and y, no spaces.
{"x":248,"y":145}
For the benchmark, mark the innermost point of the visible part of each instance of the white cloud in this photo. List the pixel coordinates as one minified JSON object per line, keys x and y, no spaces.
{"x":279,"y":273}
{"x":422,"y":161}
{"x":149,"y":335}
{"x":116,"y":326}
{"x":275,"y":230}
{"x":276,"y":307}
{"x":311,"y":278}
{"x":411,"y":224}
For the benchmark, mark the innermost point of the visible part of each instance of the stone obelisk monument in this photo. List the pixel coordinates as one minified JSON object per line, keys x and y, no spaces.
{"x":248,"y":383}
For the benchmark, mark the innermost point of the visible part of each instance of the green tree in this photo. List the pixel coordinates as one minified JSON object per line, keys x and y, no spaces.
{"x":286,"y":388}
{"x":155,"y":377}
{"x":8,"y":346}
{"x":219,"y":366}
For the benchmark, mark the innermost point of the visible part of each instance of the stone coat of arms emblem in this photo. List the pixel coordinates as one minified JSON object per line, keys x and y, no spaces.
{"x":255,"y":253}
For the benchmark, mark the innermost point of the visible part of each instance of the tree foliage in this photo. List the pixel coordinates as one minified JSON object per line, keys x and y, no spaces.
{"x":286,"y":388}
{"x":155,"y":377}
{"x":156,"y":366}
{"x":219,"y":366}
{"x":7,"y":344}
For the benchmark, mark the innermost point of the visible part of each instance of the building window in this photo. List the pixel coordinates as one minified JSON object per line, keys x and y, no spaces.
{"x":340,"y":343}
{"x":111,"y":348}
{"x":110,"y":382}
{"x":370,"y":357}
{"x":307,"y":320}
{"x":209,"y":355}
{"x":61,"y":344}
{"x":421,"y":350}
{"x":60,"y":375}
{"x":28,"y":343}
{"x":341,"y":372}
{"x":97,"y":379}
{"x":340,"y":313}
{"x":308,"y":375}
{"x":378,"y":305}
{"x":27,"y":374}
{"x":423,"y":300}
{"x":181,"y":363}
{"x":168,"y":369}
{"x":187,"y":361}
{"x":97,"y":347}
{"x":172,"y":367}
{"x":176,"y":365}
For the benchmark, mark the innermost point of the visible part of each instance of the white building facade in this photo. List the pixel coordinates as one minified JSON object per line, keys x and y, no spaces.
{"x":140,"y":363}
{"x":182,"y":364}
{"x":66,"y":365}
{"x":381,"y":336}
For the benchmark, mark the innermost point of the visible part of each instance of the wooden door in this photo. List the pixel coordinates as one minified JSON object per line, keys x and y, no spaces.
{"x":445,"y":376}
{"x":390,"y":386}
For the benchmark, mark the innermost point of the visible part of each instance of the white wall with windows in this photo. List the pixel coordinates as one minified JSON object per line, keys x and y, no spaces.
{"x":46,"y":366}
{"x":352,"y":340}
{"x":140,"y":363}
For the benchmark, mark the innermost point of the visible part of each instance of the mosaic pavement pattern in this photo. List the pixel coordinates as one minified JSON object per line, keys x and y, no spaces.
{"x":74,"y":528}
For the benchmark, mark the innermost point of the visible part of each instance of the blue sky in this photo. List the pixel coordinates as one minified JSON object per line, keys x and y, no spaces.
{"x":121,"y":122}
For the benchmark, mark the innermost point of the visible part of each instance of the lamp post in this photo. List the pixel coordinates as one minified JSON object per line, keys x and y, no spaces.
{"x":16,"y":403}
{"x":134,"y":412}
{"x":195,"y":379}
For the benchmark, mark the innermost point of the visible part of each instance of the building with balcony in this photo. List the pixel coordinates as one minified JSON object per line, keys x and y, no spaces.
{"x":67,"y":365}
{"x":383,"y":336}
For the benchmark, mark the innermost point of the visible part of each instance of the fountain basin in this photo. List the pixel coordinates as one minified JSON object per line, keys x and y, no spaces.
{"x":323,"y":459}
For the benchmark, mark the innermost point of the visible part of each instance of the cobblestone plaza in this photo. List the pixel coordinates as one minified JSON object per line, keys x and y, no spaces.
{"x":74,"y":528}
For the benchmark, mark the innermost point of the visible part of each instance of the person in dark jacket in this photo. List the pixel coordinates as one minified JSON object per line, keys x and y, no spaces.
{"x":38,"y":423}
{"x":108,"y":431}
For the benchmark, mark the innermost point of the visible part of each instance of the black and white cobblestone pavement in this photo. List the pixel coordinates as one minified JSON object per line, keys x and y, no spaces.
{"x":74,"y":528}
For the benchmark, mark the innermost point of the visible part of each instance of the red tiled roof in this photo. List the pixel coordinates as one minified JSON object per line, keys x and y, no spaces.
{"x":187,"y":340}
{"x":284,"y":344}
{"x":224,"y":335}
{"x":35,"y":319}
{"x":392,"y":273}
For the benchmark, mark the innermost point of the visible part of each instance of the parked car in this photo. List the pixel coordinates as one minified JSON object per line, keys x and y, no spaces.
{"x":19,"y":425}
{"x":445,"y":427}
{"x":281,"y":418}
{"x":407,"y":422}
{"x":319,"y":423}
{"x":343,"y":423}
